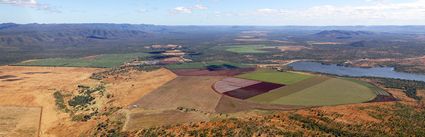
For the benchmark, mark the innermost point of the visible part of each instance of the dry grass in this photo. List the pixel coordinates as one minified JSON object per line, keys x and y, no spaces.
{"x":19,"y":121}
{"x":128,"y":88}
{"x":36,"y":86}
{"x":139,"y":119}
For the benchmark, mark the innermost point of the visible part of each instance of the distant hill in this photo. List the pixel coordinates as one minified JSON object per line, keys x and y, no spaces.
{"x":343,"y":34}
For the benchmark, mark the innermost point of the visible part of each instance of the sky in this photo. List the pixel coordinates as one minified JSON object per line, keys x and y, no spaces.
{"x":216,"y":12}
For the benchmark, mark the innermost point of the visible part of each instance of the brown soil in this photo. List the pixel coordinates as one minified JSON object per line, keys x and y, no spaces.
{"x":36,"y":89}
{"x":128,"y":88}
{"x":19,"y":121}
{"x":188,"y":92}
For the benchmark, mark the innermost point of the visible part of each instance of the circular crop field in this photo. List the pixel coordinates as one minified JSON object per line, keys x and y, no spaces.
{"x":292,"y":88}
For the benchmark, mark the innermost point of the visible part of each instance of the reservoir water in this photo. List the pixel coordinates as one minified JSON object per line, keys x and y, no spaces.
{"x":382,"y":72}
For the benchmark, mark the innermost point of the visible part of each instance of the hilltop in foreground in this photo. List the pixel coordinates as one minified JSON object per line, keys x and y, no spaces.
{"x":56,"y":101}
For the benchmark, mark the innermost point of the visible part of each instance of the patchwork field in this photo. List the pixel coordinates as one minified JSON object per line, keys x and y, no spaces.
{"x":19,"y":121}
{"x":242,"y":49}
{"x":301,"y":89}
{"x":99,"y":61}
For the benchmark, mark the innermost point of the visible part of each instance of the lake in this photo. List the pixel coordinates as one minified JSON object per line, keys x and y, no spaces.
{"x":382,"y":72}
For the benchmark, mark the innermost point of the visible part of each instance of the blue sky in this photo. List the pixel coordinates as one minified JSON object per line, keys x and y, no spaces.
{"x":216,"y":12}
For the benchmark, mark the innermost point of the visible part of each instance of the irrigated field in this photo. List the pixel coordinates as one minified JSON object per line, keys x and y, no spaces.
{"x":330,"y":92}
{"x":288,"y":90}
{"x":100,"y":61}
{"x":286,"y":78}
{"x":310,"y":90}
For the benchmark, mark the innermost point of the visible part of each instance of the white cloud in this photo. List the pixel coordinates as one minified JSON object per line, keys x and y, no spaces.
{"x":30,"y":4}
{"x":20,"y":2}
{"x":378,"y":11}
{"x":200,"y":7}
{"x":188,"y":10}
{"x":182,"y":10}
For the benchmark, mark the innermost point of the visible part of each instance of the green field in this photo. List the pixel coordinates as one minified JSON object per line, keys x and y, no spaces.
{"x":312,"y":90}
{"x":246,"y":49}
{"x":330,"y":92}
{"x":201,"y":65}
{"x":100,"y":61}
{"x":272,"y":76}
{"x":289,"y":89}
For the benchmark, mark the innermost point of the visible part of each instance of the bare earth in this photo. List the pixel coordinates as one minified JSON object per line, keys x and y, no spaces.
{"x":19,"y":121}
{"x":34,"y":86}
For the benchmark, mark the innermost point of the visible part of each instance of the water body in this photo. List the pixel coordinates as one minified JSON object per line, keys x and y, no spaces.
{"x":382,"y":72}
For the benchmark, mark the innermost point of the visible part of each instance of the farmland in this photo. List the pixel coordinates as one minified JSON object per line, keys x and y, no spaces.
{"x":98,"y":61}
{"x":244,"y":49}
{"x":330,"y":92}
{"x":287,"y":78}
{"x":310,"y":90}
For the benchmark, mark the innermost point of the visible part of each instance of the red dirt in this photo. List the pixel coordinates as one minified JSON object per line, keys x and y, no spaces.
{"x":205,"y":72}
{"x":229,"y":84}
{"x":253,"y":90}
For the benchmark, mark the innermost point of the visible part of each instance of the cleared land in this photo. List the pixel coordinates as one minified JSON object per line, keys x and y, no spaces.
{"x":330,"y":92}
{"x":99,"y":61}
{"x":272,"y":76}
{"x":19,"y":121}
{"x":128,"y":88}
{"x":35,"y":88}
{"x":185,"y":91}
{"x":246,"y":49}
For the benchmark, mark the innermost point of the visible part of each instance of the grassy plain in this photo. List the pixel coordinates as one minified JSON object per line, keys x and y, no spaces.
{"x":99,"y":61}
{"x":272,"y":76}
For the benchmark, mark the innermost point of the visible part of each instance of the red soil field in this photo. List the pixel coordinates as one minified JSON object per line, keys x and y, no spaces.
{"x":229,"y":84}
{"x":206,"y":72}
{"x":253,"y":90}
